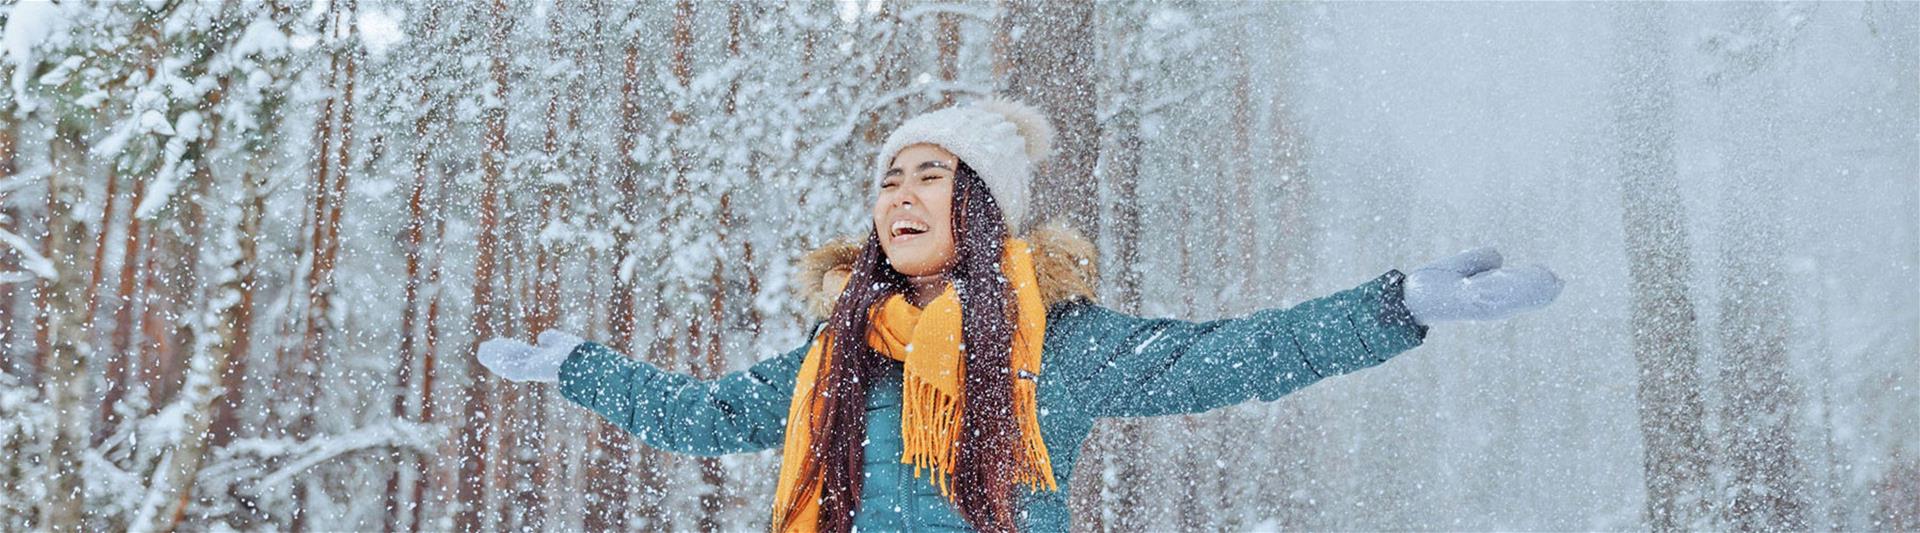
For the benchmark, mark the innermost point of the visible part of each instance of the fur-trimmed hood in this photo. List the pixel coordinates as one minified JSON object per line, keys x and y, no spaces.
{"x":1064,"y":262}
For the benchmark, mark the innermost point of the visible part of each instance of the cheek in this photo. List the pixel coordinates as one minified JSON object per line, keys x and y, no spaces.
{"x":942,"y":211}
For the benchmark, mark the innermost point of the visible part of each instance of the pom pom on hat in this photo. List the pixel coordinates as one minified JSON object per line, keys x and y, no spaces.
{"x":1000,"y":139}
{"x":1031,"y":123}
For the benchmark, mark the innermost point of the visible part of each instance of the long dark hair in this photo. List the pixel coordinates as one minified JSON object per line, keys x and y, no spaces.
{"x":986,"y":458}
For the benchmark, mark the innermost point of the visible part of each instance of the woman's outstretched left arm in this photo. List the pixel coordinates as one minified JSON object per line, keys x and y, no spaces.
{"x":1121,"y":365}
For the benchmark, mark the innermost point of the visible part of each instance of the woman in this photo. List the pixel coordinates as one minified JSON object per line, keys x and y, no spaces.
{"x":975,"y":361}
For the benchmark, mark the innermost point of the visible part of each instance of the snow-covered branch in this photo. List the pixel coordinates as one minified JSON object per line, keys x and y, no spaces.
{"x":30,"y":259}
{"x":977,"y":12}
{"x":298,"y":456}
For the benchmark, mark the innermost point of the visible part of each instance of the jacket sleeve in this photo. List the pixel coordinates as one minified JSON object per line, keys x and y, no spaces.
{"x":742,"y":411}
{"x":1151,"y":367}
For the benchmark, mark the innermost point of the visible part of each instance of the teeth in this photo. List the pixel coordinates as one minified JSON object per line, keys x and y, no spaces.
{"x":899,"y":225}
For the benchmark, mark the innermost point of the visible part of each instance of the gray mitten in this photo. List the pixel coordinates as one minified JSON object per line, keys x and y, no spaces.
{"x":1472,"y":286}
{"x":518,"y":361}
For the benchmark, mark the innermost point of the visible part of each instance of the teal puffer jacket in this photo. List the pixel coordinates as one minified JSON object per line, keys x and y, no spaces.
{"x":1096,"y":363}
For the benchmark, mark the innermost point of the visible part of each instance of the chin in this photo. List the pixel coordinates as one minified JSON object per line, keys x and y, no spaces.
{"x":914,"y":268}
{"x":913,"y":265}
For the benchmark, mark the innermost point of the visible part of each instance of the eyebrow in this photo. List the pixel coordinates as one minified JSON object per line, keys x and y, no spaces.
{"x":931,"y":163}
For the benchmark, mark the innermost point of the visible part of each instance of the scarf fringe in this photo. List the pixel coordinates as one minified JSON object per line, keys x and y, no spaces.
{"x":1036,"y":472}
{"x":931,"y":425}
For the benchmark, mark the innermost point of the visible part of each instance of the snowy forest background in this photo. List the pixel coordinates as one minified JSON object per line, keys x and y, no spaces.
{"x":247,"y":248}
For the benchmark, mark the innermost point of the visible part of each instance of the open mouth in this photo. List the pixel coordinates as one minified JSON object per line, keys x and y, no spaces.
{"x":907,"y":229}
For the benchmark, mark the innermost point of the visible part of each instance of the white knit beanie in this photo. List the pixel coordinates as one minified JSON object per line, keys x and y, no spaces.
{"x":1001,"y":139}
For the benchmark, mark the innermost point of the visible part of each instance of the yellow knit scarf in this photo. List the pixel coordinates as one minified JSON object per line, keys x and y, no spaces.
{"x":928,"y":342}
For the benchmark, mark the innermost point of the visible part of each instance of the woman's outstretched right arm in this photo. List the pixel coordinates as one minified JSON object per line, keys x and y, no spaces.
{"x":742,"y":411}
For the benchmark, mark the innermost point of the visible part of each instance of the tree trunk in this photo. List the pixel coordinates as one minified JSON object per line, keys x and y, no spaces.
{"x":9,"y":135}
{"x":1114,"y":446}
{"x":63,"y":372}
{"x":161,"y":340}
{"x":946,"y":36}
{"x":120,"y":361}
{"x":1047,"y":61}
{"x":611,"y":449}
{"x":478,"y":431}
{"x":226,"y":418}
{"x":1761,"y":402}
{"x":1240,"y":215}
{"x":543,"y":313}
{"x":893,"y":65}
{"x":412,"y":246}
{"x":231,"y":301}
{"x":295,"y":369}
{"x":430,"y":472}
{"x":1666,"y":343}
{"x":227,"y":424}
{"x":334,"y":160}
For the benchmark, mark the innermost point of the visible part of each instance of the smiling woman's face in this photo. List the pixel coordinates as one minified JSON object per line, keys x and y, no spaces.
{"x":913,"y":211}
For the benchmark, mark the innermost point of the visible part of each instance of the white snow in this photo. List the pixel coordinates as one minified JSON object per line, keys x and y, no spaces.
{"x":30,"y":258}
{"x":261,"y":37}
{"x":1287,"y":151}
{"x":380,"y":29}
{"x":29,"y":24}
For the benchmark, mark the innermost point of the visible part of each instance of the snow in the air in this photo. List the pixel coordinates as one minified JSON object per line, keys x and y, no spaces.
{"x":250,"y":252}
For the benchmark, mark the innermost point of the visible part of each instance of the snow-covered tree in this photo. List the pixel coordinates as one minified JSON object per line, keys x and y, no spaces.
{"x":247,"y":249}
